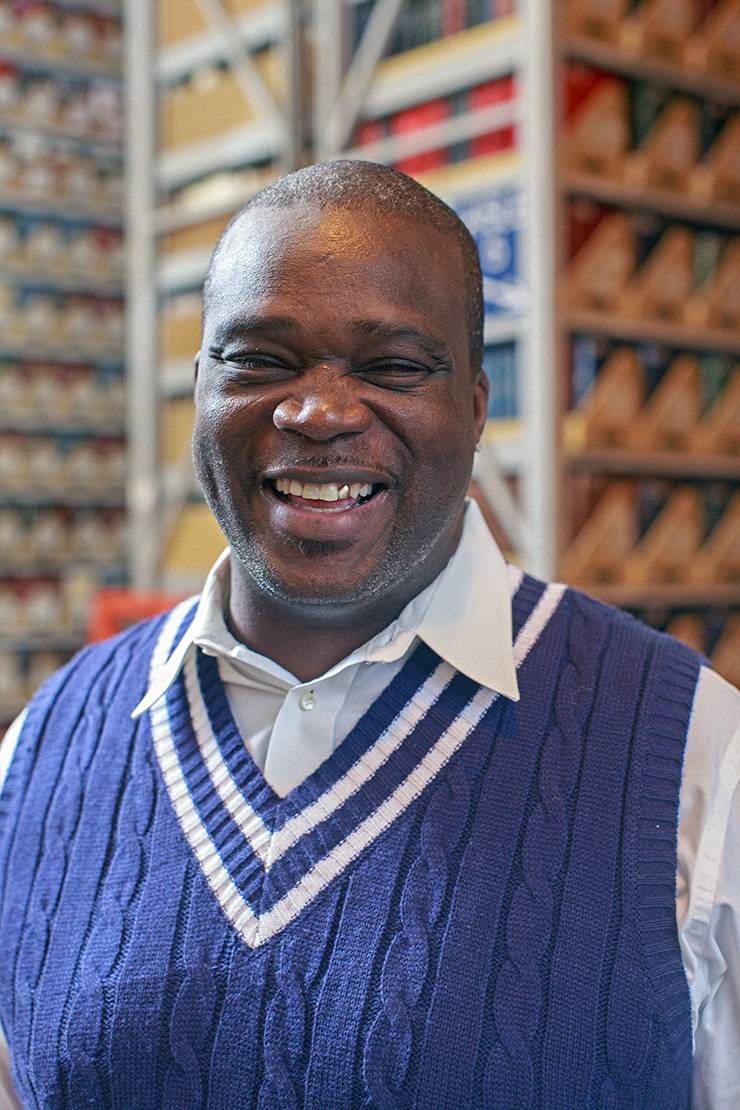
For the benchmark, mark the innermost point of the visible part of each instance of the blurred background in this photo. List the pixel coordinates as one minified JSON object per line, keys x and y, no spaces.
{"x":591,"y":146}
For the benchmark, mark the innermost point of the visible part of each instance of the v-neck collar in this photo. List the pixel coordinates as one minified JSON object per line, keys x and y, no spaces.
{"x":265,"y":857}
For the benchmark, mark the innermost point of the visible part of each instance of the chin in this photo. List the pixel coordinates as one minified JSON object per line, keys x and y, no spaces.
{"x":319,"y":576}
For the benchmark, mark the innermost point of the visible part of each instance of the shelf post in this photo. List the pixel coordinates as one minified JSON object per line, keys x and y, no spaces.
{"x":540,"y":396}
{"x":142,"y":488}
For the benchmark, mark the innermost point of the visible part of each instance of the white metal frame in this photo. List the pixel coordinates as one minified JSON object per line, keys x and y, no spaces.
{"x":143,"y":486}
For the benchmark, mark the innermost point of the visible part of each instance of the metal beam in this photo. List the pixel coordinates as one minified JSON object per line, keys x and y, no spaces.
{"x":295,"y":107}
{"x":488,"y":474}
{"x":331,"y":43}
{"x":342,"y":119}
{"x":538,"y":363}
{"x":142,"y":490}
{"x":247,"y":76}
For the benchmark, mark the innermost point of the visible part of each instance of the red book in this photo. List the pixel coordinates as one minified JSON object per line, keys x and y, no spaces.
{"x":483,"y":96}
{"x":493,"y":142}
{"x":492,"y":92}
{"x":580,"y":82}
{"x":370,"y":131}
{"x":453,"y":16}
{"x":416,"y":119}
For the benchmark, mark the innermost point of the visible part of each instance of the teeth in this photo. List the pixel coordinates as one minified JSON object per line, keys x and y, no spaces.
{"x":327,"y":491}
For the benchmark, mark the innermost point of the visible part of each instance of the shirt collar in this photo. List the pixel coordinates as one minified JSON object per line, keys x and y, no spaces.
{"x":467,"y":604}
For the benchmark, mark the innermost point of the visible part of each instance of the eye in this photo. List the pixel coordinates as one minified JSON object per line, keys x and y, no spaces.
{"x":395,"y":374}
{"x":253,"y":366}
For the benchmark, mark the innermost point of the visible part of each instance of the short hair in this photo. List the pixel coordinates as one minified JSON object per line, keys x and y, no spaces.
{"x":354,"y":185}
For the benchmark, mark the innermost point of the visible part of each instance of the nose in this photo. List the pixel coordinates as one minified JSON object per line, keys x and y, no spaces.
{"x":322,"y":410}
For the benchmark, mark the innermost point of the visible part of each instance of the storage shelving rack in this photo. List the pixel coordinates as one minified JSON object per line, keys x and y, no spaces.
{"x":197,"y":186}
{"x":62,"y":420}
{"x":705,"y":611}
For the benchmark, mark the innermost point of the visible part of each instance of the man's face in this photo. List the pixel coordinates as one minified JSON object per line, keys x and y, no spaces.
{"x":336,"y":409}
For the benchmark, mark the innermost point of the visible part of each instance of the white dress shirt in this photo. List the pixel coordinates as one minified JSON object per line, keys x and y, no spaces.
{"x":290,"y":727}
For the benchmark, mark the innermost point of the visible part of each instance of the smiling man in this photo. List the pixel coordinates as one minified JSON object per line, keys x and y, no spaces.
{"x":377,"y":821}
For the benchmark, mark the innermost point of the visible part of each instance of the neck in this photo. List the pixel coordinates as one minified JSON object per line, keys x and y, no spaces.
{"x":308,"y":639}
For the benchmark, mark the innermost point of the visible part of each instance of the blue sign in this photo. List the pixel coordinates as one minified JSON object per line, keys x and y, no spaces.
{"x":495,"y":220}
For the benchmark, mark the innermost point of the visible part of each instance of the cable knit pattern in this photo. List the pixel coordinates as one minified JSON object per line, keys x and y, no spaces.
{"x":287,"y":1017}
{"x":406,"y":964}
{"x":106,"y":942}
{"x":468,"y":906}
{"x":519,"y":988}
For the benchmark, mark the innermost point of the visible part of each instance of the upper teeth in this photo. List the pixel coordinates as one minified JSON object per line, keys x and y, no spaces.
{"x":327,"y":491}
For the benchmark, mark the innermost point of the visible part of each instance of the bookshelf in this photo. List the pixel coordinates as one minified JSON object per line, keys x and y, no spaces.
{"x":646,"y":347}
{"x":62,"y":390}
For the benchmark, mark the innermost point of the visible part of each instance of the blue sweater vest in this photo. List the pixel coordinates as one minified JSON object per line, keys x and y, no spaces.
{"x":471,"y":903}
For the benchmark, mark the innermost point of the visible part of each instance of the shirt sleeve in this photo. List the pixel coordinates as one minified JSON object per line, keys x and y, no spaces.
{"x":8,"y":745}
{"x":708,"y":890}
{"x":8,"y":1098}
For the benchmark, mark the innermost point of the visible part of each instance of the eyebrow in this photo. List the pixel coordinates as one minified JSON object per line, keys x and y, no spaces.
{"x":376,"y":329}
{"x":235,"y":329}
{"x":372,"y":329}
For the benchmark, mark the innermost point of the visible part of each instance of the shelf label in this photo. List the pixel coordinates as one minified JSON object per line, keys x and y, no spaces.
{"x":495,"y":219}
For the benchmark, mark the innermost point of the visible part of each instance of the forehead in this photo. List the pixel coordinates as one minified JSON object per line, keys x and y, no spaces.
{"x":331,"y":255}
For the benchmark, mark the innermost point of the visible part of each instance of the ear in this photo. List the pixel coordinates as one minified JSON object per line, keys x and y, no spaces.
{"x":480,"y":402}
{"x":196,"y":368}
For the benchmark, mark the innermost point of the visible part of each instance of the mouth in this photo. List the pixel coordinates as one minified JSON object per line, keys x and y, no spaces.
{"x":343,"y":507}
{"x":337,"y":496}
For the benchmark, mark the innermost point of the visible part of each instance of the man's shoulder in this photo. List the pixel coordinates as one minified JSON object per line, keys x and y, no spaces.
{"x":599,"y":619}
{"x":101,"y":665}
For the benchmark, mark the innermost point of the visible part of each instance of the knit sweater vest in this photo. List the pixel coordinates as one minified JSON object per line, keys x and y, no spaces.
{"x":471,"y":903}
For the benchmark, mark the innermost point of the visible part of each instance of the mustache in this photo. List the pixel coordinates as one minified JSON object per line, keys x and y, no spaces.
{"x":328,"y":462}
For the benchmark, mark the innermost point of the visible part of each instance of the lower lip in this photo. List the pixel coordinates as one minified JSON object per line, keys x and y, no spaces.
{"x":332,"y":524}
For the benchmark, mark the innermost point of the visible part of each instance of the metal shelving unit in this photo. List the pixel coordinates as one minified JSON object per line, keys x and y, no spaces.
{"x":61,"y":359}
{"x":693,"y":474}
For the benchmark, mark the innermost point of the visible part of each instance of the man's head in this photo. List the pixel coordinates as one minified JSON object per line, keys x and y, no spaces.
{"x":339,"y":394}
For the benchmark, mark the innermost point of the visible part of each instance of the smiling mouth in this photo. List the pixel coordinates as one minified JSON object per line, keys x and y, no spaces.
{"x":324,"y":497}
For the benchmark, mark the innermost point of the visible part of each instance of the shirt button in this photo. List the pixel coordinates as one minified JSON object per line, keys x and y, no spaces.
{"x":308,"y":701}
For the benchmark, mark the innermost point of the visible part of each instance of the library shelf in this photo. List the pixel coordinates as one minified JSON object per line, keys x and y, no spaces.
{"x":260,"y":27}
{"x":60,"y":207}
{"x":445,"y":66}
{"x":37,"y":426}
{"x":455,"y":129}
{"x":643,"y":67}
{"x":56,"y":353}
{"x":113,"y":567}
{"x":40,"y":642}
{"x":58,"y":64}
{"x":250,"y":142}
{"x":76,"y":498}
{"x":674,"y":335}
{"x":668,"y":464}
{"x":47,"y":131}
{"x":665,"y":203}
{"x":181,"y":270}
{"x":669,"y":595}
{"x":176,"y":378}
{"x":70,"y":282}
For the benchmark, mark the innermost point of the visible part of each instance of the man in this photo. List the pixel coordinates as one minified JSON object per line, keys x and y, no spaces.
{"x":393,"y":824}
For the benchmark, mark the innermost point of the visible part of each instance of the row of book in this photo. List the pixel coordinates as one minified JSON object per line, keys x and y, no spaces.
{"x":640,"y":134}
{"x":652,"y":532}
{"x":410,"y":120}
{"x":647,"y":398}
{"x":643,"y":266}
{"x":423,"y":21}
